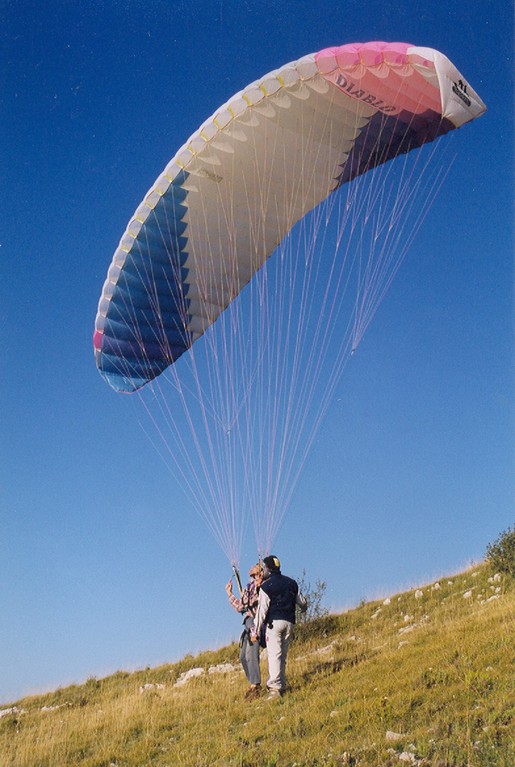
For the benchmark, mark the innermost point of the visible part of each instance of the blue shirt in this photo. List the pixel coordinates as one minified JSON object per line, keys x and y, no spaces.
{"x":282,"y":593}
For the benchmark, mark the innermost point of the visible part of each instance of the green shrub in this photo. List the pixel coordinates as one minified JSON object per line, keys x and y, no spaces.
{"x":314,"y":596}
{"x":501,"y":553}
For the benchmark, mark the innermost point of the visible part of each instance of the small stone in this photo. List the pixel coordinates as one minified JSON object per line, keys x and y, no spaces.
{"x":187,"y":675}
{"x":222,"y":668}
{"x":407,"y":757}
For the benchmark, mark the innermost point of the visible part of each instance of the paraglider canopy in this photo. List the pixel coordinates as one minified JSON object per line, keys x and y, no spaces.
{"x":237,"y":415}
{"x":239,"y":184}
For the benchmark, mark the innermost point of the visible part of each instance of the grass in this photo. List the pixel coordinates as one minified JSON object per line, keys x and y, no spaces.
{"x":426,"y":679}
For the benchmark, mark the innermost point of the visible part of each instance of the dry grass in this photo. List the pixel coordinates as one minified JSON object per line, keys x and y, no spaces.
{"x":424,"y":680}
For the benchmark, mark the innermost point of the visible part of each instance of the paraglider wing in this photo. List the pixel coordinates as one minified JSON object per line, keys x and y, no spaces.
{"x":236,"y":188}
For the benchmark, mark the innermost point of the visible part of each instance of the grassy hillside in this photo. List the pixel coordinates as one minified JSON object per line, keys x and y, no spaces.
{"x":423,"y":678}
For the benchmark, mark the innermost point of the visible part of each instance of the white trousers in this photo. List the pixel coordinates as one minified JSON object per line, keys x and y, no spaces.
{"x":277,"y":642}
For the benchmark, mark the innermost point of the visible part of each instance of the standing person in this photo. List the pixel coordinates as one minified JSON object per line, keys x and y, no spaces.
{"x":249,"y":649}
{"x":278,"y":597}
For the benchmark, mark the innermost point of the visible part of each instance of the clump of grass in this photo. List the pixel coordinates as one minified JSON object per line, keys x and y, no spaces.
{"x":423,"y":678}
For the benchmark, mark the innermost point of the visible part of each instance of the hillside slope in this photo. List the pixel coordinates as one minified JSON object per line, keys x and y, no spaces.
{"x":422,"y":678}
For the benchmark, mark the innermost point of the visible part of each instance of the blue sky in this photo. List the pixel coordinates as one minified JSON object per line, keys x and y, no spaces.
{"x":104,"y":565}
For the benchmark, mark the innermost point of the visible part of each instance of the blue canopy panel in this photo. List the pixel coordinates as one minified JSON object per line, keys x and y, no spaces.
{"x":146,"y":319}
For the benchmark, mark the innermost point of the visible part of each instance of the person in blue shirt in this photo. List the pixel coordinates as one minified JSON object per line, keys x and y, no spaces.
{"x":278,"y":598}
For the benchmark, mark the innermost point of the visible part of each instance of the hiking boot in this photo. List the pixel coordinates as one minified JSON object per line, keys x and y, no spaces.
{"x":273,"y":694}
{"x":253,"y":692}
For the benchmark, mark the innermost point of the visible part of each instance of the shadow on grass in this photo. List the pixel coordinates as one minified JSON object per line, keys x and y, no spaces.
{"x":328,"y":668}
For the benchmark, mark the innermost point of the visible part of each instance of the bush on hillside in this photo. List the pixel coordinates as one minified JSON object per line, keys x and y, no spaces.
{"x":314,"y":596}
{"x":501,"y":553}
